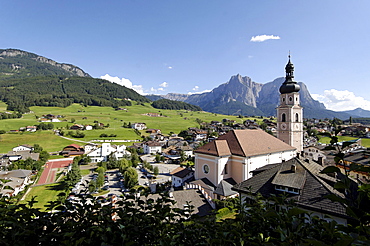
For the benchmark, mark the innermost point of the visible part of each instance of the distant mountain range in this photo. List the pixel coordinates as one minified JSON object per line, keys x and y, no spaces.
{"x":242,"y":96}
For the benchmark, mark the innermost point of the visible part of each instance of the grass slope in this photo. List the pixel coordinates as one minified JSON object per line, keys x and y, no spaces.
{"x":175,"y":121}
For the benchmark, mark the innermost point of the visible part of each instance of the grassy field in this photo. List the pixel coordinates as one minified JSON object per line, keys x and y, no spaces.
{"x":43,"y":194}
{"x":172,"y":121}
{"x":365,"y":141}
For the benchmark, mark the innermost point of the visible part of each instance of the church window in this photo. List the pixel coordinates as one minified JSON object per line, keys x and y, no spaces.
{"x":206,"y":169}
{"x":225,"y":169}
{"x":296,"y":117}
{"x":283,"y":117}
{"x":290,"y":99}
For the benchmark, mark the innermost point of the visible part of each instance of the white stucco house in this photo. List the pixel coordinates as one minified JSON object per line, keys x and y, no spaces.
{"x":102,"y":153}
{"x":152,"y":147}
{"x":24,"y":147}
{"x":138,"y":126}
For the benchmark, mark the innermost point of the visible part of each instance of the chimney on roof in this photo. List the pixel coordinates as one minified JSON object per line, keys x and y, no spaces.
{"x":293,"y":168}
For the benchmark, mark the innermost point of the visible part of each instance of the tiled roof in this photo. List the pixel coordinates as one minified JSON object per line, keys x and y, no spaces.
{"x":249,"y":142}
{"x":152,"y":143}
{"x":205,"y":184}
{"x":181,"y":172}
{"x":290,"y":175}
{"x":224,"y":187}
{"x":312,"y":194}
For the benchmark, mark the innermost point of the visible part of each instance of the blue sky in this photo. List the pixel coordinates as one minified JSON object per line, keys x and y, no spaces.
{"x":195,"y":45}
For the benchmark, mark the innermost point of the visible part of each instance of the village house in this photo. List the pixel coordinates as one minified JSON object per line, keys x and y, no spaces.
{"x":90,"y":147}
{"x":358,"y":157}
{"x":151,"y":130}
{"x":31,"y":128}
{"x":72,"y":150}
{"x":138,"y":126}
{"x":102,"y":153}
{"x":314,"y":153}
{"x":18,"y":155}
{"x":299,"y":181}
{"x":152,"y":147}
{"x":76,"y":127}
{"x":180,"y":176}
{"x":13,"y":182}
{"x":23,"y":147}
{"x":88,"y":127}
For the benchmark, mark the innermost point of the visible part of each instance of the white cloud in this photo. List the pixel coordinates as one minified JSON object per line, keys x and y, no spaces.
{"x":124,"y":82}
{"x":164,"y":84}
{"x":160,"y":89}
{"x":195,"y":88}
{"x":169,"y":67}
{"x":198,"y":92}
{"x":264,"y":37}
{"x":341,"y":100}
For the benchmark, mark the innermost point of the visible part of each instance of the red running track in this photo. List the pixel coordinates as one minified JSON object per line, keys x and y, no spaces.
{"x":51,"y":167}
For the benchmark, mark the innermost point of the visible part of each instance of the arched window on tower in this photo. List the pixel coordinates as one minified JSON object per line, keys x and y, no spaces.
{"x":296,"y":117}
{"x":283,"y":117}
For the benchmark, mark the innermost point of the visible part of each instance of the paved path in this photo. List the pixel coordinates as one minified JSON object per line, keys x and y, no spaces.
{"x":51,"y":169}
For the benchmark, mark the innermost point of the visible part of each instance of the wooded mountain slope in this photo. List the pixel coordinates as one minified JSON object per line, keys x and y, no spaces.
{"x":60,"y":91}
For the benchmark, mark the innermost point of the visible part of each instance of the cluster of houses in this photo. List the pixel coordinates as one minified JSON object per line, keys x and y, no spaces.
{"x":51,"y":118}
{"x":14,"y":181}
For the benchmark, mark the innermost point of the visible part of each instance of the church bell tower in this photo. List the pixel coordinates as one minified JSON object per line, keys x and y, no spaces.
{"x":289,"y":112}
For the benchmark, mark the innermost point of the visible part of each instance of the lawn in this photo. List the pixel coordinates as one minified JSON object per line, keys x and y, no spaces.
{"x":46,"y":139}
{"x":43,"y":193}
{"x":365,"y":141}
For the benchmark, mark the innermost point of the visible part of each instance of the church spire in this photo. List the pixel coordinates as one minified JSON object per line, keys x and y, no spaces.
{"x":289,"y":85}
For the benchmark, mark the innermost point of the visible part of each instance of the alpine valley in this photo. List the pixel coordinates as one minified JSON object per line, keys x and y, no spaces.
{"x":27,"y":79}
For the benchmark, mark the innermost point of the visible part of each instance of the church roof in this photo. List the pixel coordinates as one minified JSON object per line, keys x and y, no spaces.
{"x":248,"y":142}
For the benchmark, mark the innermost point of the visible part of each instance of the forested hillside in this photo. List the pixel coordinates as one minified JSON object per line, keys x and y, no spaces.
{"x":174,"y":105}
{"x":61,"y":91}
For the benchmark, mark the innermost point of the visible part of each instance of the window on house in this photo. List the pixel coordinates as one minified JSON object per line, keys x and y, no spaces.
{"x":225,"y":169}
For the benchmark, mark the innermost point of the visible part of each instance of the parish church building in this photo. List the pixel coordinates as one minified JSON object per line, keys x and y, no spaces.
{"x":222,"y":163}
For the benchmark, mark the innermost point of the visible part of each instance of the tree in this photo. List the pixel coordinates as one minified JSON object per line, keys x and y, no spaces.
{"x":73,"y":176}
{"x":157,"y":157}
{"x":92,"y":186}
{"x":44,"y":156}
{"x":131,"y":177}
{"x":155,"y":171}
{"x":100,"y":178}
{"x":37,"y":148}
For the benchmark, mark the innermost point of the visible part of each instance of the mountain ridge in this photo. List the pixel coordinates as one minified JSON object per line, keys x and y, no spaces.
{"x":253,"y":98}
{"x":15,"y":63}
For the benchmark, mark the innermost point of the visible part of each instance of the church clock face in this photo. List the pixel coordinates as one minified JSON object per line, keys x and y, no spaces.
{"x":296,"y":126}
{"x":283,"y":126}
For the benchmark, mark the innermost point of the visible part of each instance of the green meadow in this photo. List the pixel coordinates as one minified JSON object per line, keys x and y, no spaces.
{"x":365,"y":141}
{"x":172,"y":121}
